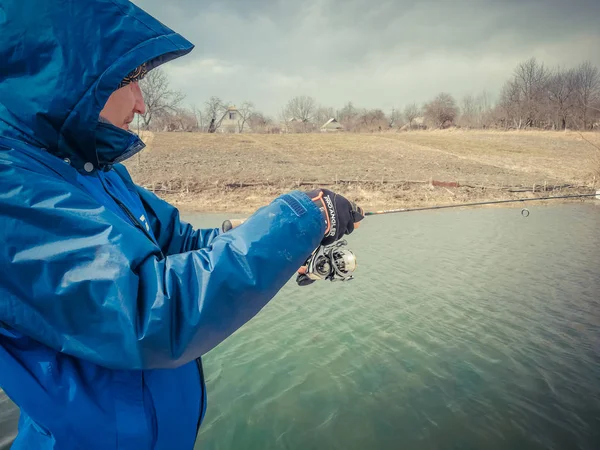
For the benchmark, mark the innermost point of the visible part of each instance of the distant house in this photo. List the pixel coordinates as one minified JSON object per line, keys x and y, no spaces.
{"x":231,"y":122}
{"x":332,"y":125}
{"x":293,"y":125}
{"x":418,"y":123}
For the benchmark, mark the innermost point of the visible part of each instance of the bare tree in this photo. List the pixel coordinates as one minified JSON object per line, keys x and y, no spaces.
{"x":395,"y":119}
{"x":531,"y":79}
{"x":411,"y":112}
{"x":348,"y":116}
{"x":442,"y":111}
{"x":468,"y":116}
{"x":259,"y":122}
{"x":158,"y":97}
{"x":214,"y":110}
{"x":483,"y":110}
{"x":184,"y":120}
{"x":476,"y":111}
{"x":245,"y":111}
{"x":347,"y":112}
{"x":197,"y":113}
{"x":561,"y":93}
{"x":323,"y":114}
{"x":373,"y":119}
{"x":510,"y":106}
{"x":283,"y":115}
{"x":543,"y":98}
{"x":302,"y":108}
{"x":587,"y":90}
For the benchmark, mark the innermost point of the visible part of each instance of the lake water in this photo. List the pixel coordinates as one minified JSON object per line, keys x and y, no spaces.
{"x":9,"y":417}
{"x":464,"y":329}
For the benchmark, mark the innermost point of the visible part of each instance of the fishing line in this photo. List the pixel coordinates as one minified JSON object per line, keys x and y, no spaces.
{"x":524,"y":212}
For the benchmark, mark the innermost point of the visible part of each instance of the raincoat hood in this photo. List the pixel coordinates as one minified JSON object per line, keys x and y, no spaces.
{"x":60,"y":65}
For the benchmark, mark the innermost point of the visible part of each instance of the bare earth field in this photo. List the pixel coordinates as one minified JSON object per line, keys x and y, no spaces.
{"x":240,"y":173}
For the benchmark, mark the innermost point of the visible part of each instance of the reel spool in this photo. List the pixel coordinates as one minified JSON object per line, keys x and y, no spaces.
{"x":332,"y":262}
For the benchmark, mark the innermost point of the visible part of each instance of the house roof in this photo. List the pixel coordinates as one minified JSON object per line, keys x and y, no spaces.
{"x":332,"y":123}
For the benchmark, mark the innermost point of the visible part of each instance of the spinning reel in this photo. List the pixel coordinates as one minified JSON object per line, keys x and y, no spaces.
{"x":331,"y":262}
{"x":328,"y":262}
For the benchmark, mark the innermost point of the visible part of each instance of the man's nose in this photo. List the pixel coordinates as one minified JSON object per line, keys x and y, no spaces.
{"x":140,"y":105}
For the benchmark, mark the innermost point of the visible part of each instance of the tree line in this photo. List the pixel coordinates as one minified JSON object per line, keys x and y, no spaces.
{"x":534,"y":97}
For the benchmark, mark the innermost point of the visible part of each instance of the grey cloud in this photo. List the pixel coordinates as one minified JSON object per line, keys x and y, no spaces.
{"x":378,"y":54}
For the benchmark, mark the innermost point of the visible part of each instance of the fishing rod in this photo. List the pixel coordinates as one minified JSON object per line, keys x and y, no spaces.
{"x":230,"y":224}
{"x":336,"y":263}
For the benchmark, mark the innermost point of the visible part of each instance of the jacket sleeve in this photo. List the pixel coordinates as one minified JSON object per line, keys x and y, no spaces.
{"x":173,"y":235}
{"x":85,"y":282}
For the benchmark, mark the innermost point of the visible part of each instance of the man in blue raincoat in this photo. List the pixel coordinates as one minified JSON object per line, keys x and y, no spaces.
{"x":107,"y":299}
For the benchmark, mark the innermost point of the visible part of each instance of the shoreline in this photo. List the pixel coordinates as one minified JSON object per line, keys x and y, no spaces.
{"x":239,"y":173}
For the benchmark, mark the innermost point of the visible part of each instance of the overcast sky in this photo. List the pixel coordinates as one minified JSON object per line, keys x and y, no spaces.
{"x":377,"y":54}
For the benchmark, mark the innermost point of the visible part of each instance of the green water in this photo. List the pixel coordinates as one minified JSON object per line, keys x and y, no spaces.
{"x":471,"y":329}
{"x":474,"y":329}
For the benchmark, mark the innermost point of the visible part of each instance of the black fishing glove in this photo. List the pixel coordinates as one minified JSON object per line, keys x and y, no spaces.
{"x":340,"y":214}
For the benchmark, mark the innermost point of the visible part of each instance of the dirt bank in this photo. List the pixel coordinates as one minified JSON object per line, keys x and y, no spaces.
{"x":239,"y":173}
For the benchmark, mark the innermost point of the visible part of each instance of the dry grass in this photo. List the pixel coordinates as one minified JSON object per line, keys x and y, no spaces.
{"x":207,"y":172}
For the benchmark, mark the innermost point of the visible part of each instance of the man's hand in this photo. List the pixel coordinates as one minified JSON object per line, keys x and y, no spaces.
{"x":339,"y":213}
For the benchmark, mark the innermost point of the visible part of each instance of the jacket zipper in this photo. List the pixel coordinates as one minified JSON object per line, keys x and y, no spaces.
{"x":198,"y":360}
{"x":130,"y":215}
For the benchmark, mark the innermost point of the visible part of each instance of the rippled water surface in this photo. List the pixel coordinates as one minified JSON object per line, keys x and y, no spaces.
{"x":9,"y":416}
{"x":470,"y":329}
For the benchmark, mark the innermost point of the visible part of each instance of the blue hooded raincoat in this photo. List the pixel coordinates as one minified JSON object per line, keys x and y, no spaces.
{"x":107,"y":299}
